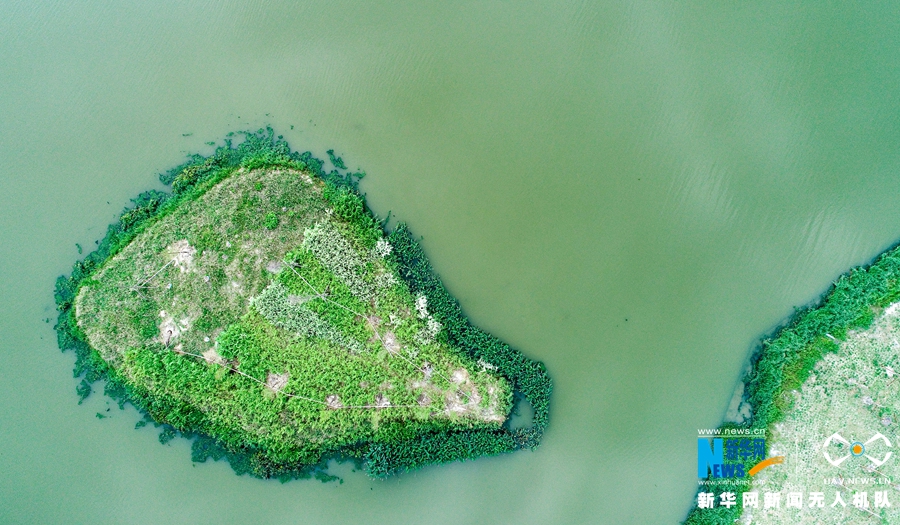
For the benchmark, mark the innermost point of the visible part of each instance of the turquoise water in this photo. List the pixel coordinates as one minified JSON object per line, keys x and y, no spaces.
{"x":631,"y":192}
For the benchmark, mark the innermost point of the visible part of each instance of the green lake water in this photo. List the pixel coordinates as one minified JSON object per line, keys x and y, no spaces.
{"x":631,"y":192}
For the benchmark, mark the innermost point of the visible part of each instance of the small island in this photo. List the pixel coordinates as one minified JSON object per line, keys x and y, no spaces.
{"x":261,"y":309}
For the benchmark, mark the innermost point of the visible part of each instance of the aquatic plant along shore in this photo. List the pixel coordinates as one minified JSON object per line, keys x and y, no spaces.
{"x":851,"y":393}
{"x":824,"y":345}
{"x":261,"y":309}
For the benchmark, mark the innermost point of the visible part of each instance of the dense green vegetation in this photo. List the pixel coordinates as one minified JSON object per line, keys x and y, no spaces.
{"x":786,"y":359}
{"x":261,"y":309}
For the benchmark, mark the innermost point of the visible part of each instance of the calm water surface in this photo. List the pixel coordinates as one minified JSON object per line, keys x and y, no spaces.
{"x":631,"y":192}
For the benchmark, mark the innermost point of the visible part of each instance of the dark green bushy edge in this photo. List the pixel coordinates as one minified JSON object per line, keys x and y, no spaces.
{"x":262,"y":150}
{"x":526,"y":376}
{"x":784,"y":360}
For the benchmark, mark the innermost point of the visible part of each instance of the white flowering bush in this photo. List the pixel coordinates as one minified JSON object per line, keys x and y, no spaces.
{"x":433,"y":327}
{"x":336,"y":254}
{"x":273,"y":304}
{"x":382,"y":248}
{"x":422,"y":306}
{"x":385,"y":280}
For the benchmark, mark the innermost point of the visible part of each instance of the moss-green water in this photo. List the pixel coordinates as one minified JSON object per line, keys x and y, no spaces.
{"x":698,"y":169}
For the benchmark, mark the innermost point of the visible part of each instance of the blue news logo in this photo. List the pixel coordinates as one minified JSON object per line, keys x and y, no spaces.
{"x":728,"y":457}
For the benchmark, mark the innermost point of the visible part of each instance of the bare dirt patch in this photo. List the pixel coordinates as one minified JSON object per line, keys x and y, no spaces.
{"x":334,"y":402}
{"x":460,"y":376}
{"x":181,"y":253}
{"x":390,"y":342}
{"x":382,"y":401}
{"x":213,"y":357}
{"x":277,"y":382}
{"x":168,"y":329}
{"x":274,"y":266}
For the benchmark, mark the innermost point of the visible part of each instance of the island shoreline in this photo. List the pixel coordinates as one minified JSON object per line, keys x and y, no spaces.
{"x":262,"y":149}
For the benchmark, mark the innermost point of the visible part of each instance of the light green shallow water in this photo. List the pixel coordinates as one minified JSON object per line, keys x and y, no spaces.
{"x":633,"y":193}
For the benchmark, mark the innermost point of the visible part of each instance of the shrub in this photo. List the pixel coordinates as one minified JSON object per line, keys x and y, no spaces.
{"x":271,"y":221}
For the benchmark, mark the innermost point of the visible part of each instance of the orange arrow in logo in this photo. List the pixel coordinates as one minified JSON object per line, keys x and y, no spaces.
{"x":775,"y":460}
